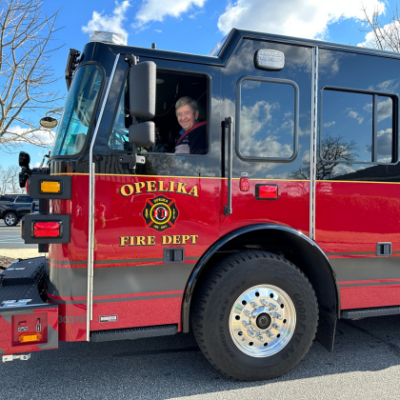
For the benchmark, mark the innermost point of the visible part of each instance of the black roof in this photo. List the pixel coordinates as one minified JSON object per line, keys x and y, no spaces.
{"x":234,"y":37}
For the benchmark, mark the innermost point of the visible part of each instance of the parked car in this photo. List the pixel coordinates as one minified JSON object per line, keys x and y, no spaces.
{"x":13,"y":206}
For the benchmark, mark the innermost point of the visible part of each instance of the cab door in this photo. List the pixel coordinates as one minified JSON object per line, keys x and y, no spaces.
{"x":153,"y":223}
{"x":357,"y":189}
{"x":270,"y":137}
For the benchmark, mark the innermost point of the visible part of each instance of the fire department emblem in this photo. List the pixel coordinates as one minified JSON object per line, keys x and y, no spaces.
{"x":160,"y":213}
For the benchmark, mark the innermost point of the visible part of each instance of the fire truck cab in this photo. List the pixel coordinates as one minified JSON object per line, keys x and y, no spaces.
{"x":284,"y":221}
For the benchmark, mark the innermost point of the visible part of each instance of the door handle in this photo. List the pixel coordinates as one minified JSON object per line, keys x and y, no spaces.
{"x":228,"y":136}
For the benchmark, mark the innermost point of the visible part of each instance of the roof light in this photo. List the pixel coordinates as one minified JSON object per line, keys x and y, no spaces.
{"x":50,"y":187}
{"x":46,"y":229}
{"x":108,"y":37}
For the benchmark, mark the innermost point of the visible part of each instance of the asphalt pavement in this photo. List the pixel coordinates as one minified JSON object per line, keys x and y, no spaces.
{"x":364,"y":365}
{"x":10,"y":237}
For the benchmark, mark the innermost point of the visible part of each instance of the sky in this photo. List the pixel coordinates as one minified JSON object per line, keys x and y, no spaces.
{"x":196,"y":26}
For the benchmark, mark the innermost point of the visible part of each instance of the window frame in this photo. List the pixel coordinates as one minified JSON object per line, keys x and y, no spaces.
{"x":209,"y":111}
{"x":374,"y":148}
{"x":296,"y":118}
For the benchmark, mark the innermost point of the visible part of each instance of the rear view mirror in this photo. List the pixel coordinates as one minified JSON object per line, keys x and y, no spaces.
{"x":142,"y":135}
{"x":142,"y":90}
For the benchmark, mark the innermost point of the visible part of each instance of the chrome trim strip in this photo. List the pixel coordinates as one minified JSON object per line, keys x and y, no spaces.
{"x":313,"y":138}
{"x":92,"y":167}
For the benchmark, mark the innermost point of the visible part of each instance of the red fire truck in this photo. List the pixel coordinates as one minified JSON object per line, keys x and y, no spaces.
{"x":286,"y":222}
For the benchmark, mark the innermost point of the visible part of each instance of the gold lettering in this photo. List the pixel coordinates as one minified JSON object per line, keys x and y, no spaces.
{"x":140,"y":240}
{"x":151,"y":186}
{"x":166,"y":240}
{"x":176,"y":239}
{"x":161,"y":187}
{"x":126,"y":190}
{"x":139,"y":186}
{"x":194,"y":238}
{"x":181,"y":188}
{"x":123,"y":240}
{"x":171,"y":186}
{"x":151,"y":240}
{"x":193,"y":192}
{"x":185,"y":238}
{"x":132,"y":241}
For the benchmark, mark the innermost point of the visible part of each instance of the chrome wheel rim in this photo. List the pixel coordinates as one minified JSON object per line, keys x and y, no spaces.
{"x":262,"y":321}
{"x":10,"y":219}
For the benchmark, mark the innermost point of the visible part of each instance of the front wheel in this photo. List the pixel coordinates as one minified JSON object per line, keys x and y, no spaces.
{"x":10,"y":219}
{"x":255,"y":315}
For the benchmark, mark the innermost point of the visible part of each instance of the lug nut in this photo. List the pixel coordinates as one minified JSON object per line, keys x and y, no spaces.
{"x":270,"y":335}
{"x":248,"y":313}
{"x":251,"y":333}
{"x":276,"y":326}
{"x":245,"y":324}
{"x":254,"y":304}
{"x":260,"y":338}
{"x":276,"y":315}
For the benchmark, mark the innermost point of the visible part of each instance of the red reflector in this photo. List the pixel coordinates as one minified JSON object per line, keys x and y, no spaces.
{"x":244,"y":184}
{"x":46,"y":229}
{"x":268,"y":192}
{"x":27,"y":186}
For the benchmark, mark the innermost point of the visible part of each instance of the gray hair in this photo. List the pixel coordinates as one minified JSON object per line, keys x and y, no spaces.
{"x":186,"y":100}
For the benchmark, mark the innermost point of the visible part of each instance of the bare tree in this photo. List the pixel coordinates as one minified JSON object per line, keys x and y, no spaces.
{"x":9,"y":180}
{"x":26,"y":33}
{"x":333,"y":150}
{"x":385,"y":37}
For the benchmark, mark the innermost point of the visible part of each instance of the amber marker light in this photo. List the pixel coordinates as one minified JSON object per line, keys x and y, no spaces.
{"x":46,"y":229}
{"x":30,"y":337}
{"x":50,"y":187}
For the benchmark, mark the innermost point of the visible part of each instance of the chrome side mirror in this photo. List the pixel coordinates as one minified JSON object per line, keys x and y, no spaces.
{"x":48,"y":122}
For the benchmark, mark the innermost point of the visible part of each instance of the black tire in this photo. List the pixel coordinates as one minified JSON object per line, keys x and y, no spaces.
{"x":10,"y":218}
{"x":212,"y":310}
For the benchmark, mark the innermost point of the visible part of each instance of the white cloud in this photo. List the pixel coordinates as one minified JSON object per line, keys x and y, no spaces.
{"x":40,"y":137}
{"x":155,"y":10}
{"x":355,"y":115}
{"x":304,"y":18}
{"x":385,"y":144}
{"x":328,"y":124}
{"x":158,"y":30}
{"x":385,"y":109}
{"x":109,"y":23}
{"x":386,"y":86}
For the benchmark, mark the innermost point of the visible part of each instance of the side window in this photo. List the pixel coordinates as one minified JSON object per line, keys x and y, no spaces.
{"x":357,"y":127}
{"x":23,"y":199}
{"x":268,"y":120}
{"x":177,"y":131}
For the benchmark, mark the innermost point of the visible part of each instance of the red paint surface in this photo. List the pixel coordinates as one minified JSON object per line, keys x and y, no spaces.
{"x":350,"y":217}
{"x":354,"y":216}
{"x":354,"y":297}
{"x":138,"y":313}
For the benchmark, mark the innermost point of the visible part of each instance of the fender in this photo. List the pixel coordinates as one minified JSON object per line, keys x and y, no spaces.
{"x":314,"y":263}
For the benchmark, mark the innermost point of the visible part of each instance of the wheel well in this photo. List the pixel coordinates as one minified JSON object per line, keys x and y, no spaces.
{"x":293,"y":246}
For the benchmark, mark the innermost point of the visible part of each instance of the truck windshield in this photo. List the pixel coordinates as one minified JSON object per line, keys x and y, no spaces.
{"x":79,"y":107}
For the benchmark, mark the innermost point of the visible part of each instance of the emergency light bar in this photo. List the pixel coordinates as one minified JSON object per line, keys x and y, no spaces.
{"x":108,"y":37}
